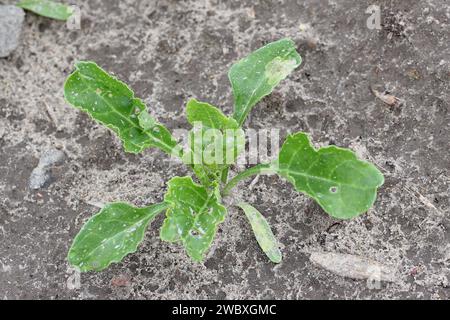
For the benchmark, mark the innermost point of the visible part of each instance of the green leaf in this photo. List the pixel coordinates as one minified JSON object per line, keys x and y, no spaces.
{"x":47,"y":8}
{"x":193,"y":216}
{"x":112,"y":103}
{"x":208,"y":115}
{"x":255,"y":76}
{"x":215,"y":141}
{"x":110,"y":235}
{"x":263,"y":233}
{"x":342,"y":185}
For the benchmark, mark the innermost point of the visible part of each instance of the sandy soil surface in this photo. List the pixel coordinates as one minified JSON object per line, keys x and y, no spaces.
{"x":168,"y":51}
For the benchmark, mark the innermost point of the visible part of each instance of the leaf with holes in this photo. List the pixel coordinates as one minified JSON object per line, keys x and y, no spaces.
{"x":193,"y":216}
{"x":47,"y":8}
{"x":255,"y":76}
{"x":110,"y":235}
{"x":215,"y":141}
{"x":342,"y":185}
{"x":112,"y":103}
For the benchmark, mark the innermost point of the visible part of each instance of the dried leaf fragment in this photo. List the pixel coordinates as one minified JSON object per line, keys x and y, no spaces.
{"x":388,"y":99}
{"x":351,"y":266}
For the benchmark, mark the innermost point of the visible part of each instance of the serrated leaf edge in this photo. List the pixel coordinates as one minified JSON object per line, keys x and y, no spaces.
{"x":284,"y":173}
{"x":133,"y":249}
{"x":205,"y":206}
{"x":139,"y":148}
{"x":247,"y":109}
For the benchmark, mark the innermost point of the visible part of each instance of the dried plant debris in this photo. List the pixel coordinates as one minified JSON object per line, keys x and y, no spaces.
{"x":387,"y":98}
{"x":355,"y":267}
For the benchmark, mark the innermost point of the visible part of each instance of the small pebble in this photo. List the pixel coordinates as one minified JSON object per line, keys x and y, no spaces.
{"x":51,"y":157}
{"x":40,"y":175}
{"x":11,"y":20}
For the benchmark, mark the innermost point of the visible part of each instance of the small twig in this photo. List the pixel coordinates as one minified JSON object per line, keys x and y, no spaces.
{"x":423,"y":200}
{"x":50,"y":115}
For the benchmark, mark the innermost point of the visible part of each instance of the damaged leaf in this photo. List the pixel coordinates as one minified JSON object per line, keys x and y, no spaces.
{"x":255,"y":76}
{"x":215,"y":141}
{"x":208,"y":115}
{"x":342,"y":185}
{"x":112,"y":103}
{"x":110,"y":235}
{"x":193,"y":216}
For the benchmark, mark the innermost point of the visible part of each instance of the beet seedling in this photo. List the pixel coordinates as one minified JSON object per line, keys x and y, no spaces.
{"x":340,"y":183}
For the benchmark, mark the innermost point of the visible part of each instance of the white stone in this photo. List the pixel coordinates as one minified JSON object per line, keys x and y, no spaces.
{"x":11,"y":20}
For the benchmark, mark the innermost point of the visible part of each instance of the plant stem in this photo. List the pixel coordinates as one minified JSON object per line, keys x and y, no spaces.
{"x":225,"y":175}
{"x":259,"y":169}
